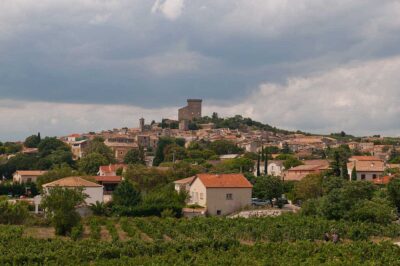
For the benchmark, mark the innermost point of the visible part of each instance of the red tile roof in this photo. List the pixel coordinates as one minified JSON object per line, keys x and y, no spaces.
{"x":224,"y":180}
{"x":382,"y":180}
{"x":73,"y":181}
{"x":112,"y":167}
{"x":113,"y":179}
{"x":185,"y":180}
{"x":30,"y":172}
{"x":365,"y":158}
{"x":367,"y":166}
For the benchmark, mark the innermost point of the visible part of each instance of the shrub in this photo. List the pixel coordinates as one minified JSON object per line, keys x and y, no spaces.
{"x":99,"y":209}
{"x":144,"y":210}
{"x":61,"y":204}
{"x":126,"y":195}
{"x":166,"y":213}
{"x":13,"y":213}
{"x":77,"y":232}
{"x":375,"y":211}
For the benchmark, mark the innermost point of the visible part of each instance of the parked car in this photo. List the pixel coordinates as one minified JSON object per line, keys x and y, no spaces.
{"x":260,"y":202}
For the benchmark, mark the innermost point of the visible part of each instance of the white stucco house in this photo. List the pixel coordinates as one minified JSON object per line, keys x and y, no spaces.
{"x":93,"y":190}
{"x":220,"y":194}
{"x":275,"y":168}
{"x":183,"y":184}
{"x":27,"y":176}
{"x":367,"y":167}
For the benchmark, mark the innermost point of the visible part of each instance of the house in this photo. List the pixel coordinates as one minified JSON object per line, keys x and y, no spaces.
{"x":183,"y":184}
{"x":309,"y":167}
{"x":275,"y":168}
{"x":78,"y":148}
{"x":93,"y":190}
{"x":220,"y":194}
{"x":27,"y":176}
{"x":120,"y":146}
{"x":111,"y":169}
{"x":109,"y":183}
{"x":367,"y":167}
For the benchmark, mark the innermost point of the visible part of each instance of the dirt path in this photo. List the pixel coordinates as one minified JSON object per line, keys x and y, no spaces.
{"x":123,"y":236}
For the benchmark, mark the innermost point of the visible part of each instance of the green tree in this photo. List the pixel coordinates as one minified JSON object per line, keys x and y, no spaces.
{"x":286,"y":148}
{"x":268,"y":187}
{"x":291,"y":162}
{"x":354,"y":173}
{"x":60,"y":203}
{"x":126,"y":195}
{"x":50,"y":144}
{"x":310,"y":187}
{"x":258,"y":165}
{"x":91,"y":163}
{"x":393,"y":189}
{"x":174,"y":152}
{"x":97,"y":146}
{"x":265,"y":163}
{"x":225,"y":147}
{"x":162,"y":143}
{"x":60,"y":157}
{"x":32,"y":141}
{"x":335,"y":165}
{"x":13,"y":213}
{"x":56,"y":173}
{"x":135,"y":156}
{"x":373,"y":211}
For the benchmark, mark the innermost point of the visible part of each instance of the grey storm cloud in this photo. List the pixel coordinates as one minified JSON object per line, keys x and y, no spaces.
{"x":150,"y":55}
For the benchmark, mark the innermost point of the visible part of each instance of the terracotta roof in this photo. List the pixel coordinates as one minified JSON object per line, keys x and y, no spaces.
{"x":224,"y":180}
{"x":293,"y":176}
{"x":367,"y":166}
{"x":184,"y":180}
{"x":306,"y":168}
{"x":73,"y":181}
{"x":113,"y":179}
{"x":30,"y":172}
{"x":112,"y":167}
{"x":316,"y":162}
{"x":382,"y":180}
{"x":364,"y":158}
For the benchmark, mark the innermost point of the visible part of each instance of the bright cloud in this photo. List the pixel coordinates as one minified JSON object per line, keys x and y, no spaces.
{"x":361,"y":98}
{"x":171,"y":9}
{"x":321,"y":67}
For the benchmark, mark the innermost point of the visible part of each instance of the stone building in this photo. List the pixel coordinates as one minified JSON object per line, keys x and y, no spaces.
{"x":191,"y":111}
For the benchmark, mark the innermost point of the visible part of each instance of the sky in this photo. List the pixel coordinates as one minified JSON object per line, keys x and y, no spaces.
{"x":70,"y":66}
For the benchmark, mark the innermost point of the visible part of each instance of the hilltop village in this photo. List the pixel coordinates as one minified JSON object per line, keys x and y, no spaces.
{"x":194,"y":176}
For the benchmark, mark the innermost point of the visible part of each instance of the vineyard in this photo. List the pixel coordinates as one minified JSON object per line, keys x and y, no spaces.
{"x":285,"y":240}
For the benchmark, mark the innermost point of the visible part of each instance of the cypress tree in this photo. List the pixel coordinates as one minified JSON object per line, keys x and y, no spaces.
{"x":262,"y":153}
{"x":354,"y":173}
{"x":258,"y":165}
{"x":266,"y":162}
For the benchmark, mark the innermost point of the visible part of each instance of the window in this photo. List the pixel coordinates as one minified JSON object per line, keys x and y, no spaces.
{"x":374,"y":176}
{"x":363,"y":177}
{"x":201,"y":196}
{"x":229,"y":196}
{"x":29,"y":180}
{"x":218,"y":212}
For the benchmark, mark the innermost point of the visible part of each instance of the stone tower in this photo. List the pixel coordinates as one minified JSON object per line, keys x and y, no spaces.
{"x":191,"y":111}
{"x":141,"y":124}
